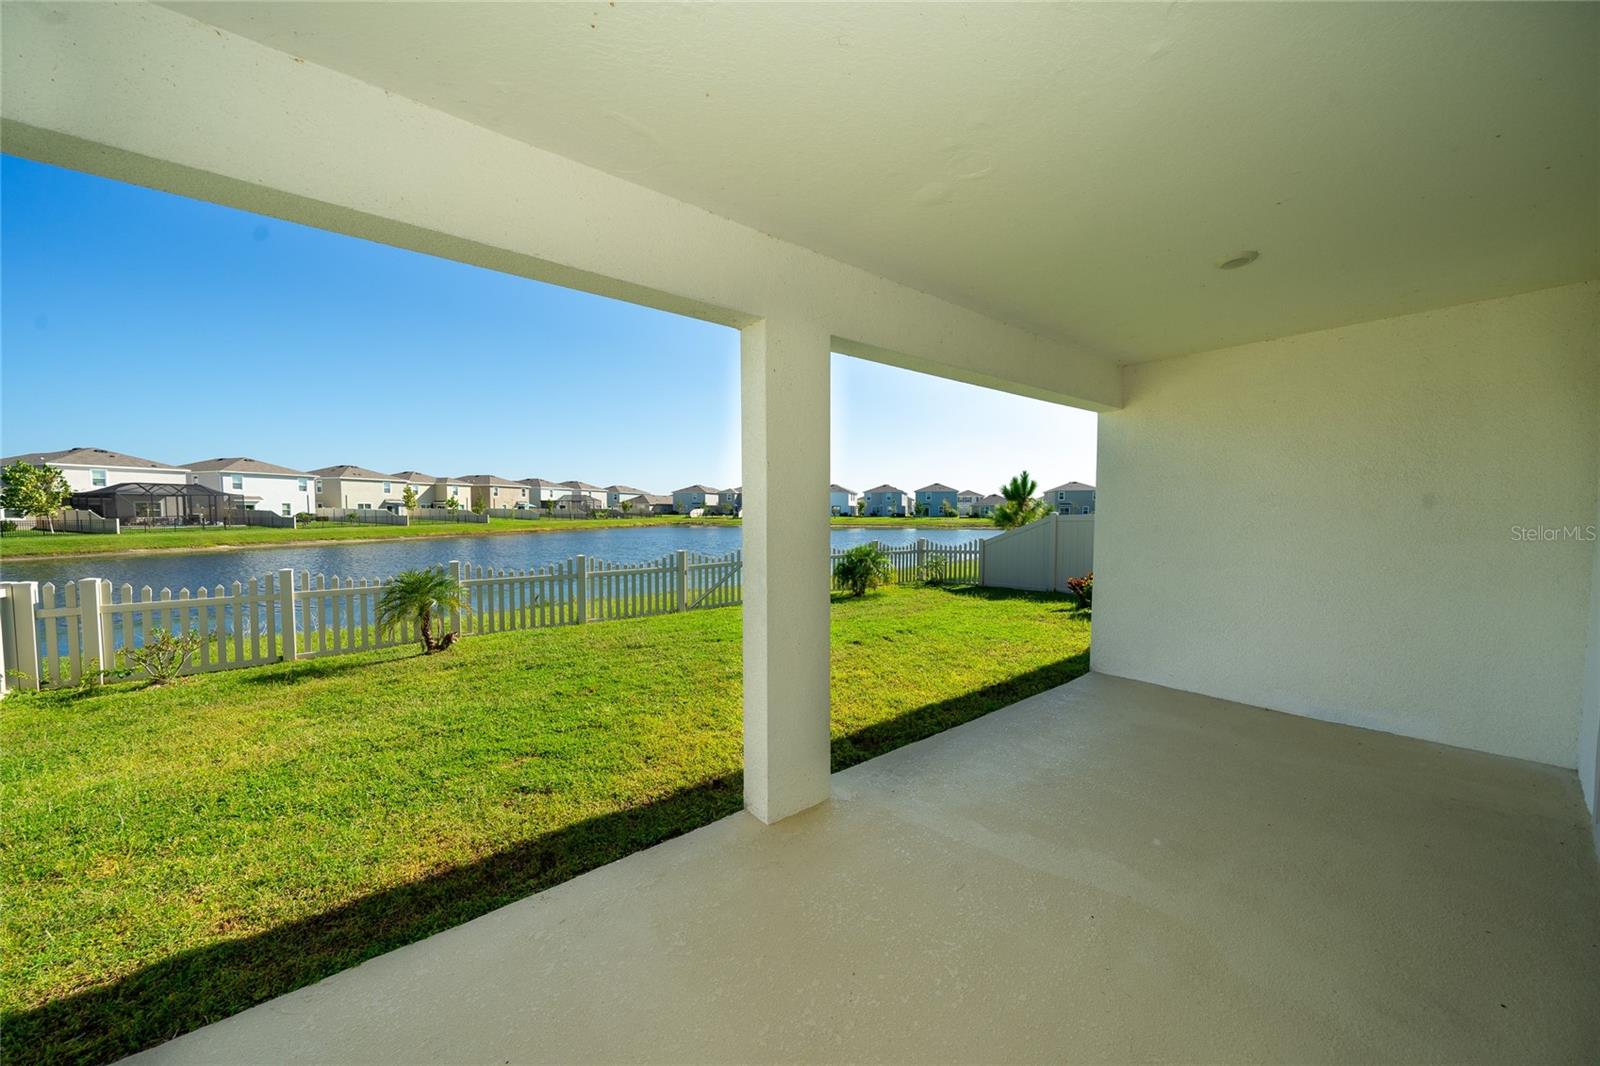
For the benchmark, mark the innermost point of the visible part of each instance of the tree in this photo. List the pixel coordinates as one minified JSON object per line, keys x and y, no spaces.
{"x":409,"y":498}
{"x":1021,"y":506}
{"x":452,"y":504}
{"x":861,"y":568}
{"x":946,"y":511}
{"x":35,"y":491}
{"x":626,"y":505}
{"x":416,"y":595}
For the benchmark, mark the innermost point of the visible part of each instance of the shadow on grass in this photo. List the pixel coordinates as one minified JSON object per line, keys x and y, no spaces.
{"x":192,"y":989}
{"x":931,"y":718}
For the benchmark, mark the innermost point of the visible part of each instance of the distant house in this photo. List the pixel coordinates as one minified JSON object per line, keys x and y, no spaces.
{"x":542,"y":493}
{"x":574,"y":505}
{"x":1072,"y":498}
{"x":598,"y":497}
{"x":731,"y":500}
{"x":97,"y":468}
{"x":490,"y":490}
{"x":967,"y":501}
{"x":355,"y":487}
{"x":616,"y":494}
{"x":649,"y":503}
{"x":931,"y":499}
{"x":886,"y":501}
{"x":841,"y":500}
{"x":432,"y":491}
{"x":257,"y":485}
{"x":987,"y":505}
{"x":695,"y":498}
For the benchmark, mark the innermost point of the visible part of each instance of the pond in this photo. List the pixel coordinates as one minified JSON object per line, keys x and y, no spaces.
{"x":380,"y":558}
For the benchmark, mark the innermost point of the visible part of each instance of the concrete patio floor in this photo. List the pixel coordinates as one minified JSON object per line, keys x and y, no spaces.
{"x":1109,"y":871}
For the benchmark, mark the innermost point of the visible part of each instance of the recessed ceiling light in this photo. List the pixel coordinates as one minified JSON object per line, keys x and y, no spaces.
{"x":1238,"y":259}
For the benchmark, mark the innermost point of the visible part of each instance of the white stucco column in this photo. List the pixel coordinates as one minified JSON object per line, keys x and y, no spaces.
{"x":784,"y":387}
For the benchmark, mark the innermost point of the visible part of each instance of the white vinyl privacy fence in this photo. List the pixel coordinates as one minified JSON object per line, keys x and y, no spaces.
{"x":1040,"y":556}
{"x":54,"y":636}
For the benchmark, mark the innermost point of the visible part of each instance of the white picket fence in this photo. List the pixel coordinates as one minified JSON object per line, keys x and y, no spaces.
{"x":53,"y":637}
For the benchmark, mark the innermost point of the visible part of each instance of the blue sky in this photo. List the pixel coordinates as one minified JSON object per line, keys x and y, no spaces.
{"x":178,"y":330}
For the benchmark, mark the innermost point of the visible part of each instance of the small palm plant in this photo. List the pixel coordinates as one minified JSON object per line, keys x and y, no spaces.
{"x":861,"y":568}
{"x":414,"y":595}
{"x":1021,"y":506}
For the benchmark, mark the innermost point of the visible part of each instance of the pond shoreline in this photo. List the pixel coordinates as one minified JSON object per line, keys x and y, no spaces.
{"x":453,"y":531}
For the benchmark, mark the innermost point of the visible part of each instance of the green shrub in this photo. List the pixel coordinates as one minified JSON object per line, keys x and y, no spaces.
{"x":164,"y":654}
{"x":934,"y":569}
{"x":8,"y":526}
{"x":863,"y":567}
{"x":1081,"y":589}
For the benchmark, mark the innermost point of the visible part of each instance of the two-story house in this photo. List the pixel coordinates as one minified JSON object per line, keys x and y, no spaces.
{"x":491,"y":490}
{"x":841,"y":500}
{"x":933,"y":499}
{"x":258,"y":485}
{"x":356,"y":488}
{"x":967,"y":501}
{"x":695,"y":498}
{"x":597,"y":496}
{"x":542,"y":493}
{"x":731,"y":501}
{"x":1072,"y":498}
{"x":886,"y":501}
{"x":617,"y":494}
{"x":98,"y":468}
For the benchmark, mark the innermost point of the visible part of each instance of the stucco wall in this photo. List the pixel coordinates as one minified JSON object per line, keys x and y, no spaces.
{"x":1589,"y":728}
{"x":1325,"y":524}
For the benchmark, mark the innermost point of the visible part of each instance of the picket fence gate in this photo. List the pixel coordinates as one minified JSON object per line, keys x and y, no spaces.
{"x":54,"y":637}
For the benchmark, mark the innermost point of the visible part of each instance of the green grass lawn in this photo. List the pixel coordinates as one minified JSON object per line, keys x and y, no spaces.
{"x":174,"y":855}
{"x":29,"y":542}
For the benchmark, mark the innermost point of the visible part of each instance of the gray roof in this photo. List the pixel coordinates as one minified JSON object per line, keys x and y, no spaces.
{"x":694,"y":488}
{"x":936,"y":487}
{"x":626,"y":488}
{"x":993,"y":498}
{"x":87,"y":457}
{"x":350,"y":470}
{"x":1072,"y":486}
{"x":841,"y":488}
{"x":581,"y":485}
{"x":242,"y":465}
{"x":888,"y":488}
{"x":412,"y":475}
{"x":654,"y":500}
{"x":969,"y":492}
{"x":489,"y":479}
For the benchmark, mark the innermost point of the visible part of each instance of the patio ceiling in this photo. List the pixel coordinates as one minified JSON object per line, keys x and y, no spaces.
{"x":1074,"y":169}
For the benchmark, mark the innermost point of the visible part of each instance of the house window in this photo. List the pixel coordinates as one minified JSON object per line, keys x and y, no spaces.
{"x":452,"y":490}
{"x":495,"y":491}
{"x":97,"y":478}
{"x":385,"y":484}
{"x":363,"y":506}
{"x":301,"y":484}
{"x":319,"y":484}
{"x":287,"y":510}
{"x":237,"y":481}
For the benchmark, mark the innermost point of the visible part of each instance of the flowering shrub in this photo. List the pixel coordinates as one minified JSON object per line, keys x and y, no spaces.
{"x":1082,"y":589}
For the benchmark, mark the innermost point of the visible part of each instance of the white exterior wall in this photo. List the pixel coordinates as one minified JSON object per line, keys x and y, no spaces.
{"x":1324,"y":524}
{"x":81,"y":478}
{"x":275,"y":490}
{"x":1589,"y":726}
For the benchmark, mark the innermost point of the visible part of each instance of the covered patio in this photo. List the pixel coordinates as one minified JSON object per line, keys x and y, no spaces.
{"x":1110,"y":871}
{"x":1329,"y":273}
